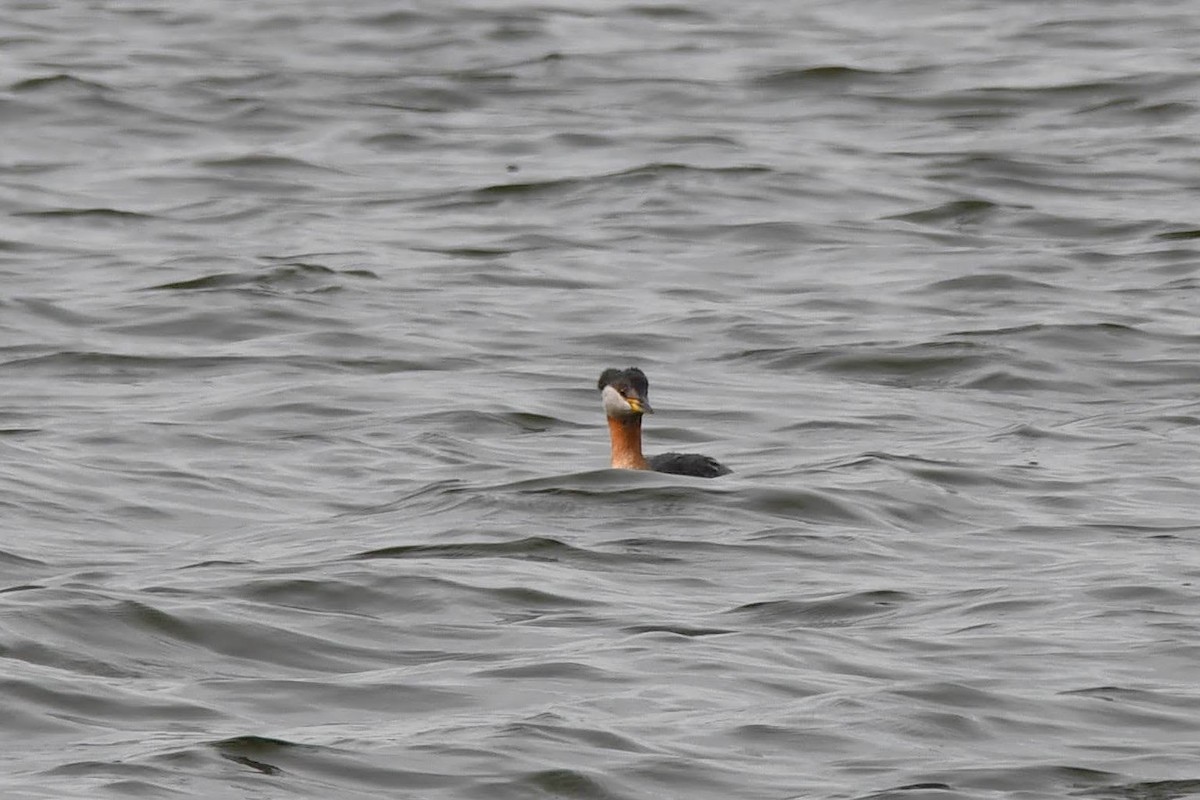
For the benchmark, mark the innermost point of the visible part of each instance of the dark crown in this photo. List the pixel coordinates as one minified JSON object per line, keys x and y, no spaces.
{"x":632,"y":378}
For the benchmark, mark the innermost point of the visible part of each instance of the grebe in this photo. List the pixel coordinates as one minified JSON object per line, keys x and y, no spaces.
{"x":624,"y":393}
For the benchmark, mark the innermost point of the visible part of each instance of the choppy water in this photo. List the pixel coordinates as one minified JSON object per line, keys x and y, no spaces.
{"x":302,"y":465}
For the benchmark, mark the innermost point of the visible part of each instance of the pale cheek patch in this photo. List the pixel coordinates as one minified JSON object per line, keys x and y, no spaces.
{"x":614,"y":404}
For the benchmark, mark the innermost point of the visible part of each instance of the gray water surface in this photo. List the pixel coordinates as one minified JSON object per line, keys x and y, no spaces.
{"x":303,"y":473}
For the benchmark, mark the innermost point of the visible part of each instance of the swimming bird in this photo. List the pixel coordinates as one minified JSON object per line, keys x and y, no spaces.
{"x":624,"y":392}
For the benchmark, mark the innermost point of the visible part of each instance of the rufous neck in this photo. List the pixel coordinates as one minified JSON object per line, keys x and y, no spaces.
{"x":626,"y":435}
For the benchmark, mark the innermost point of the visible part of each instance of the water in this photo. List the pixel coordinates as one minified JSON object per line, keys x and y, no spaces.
{"x":303,"y":466}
